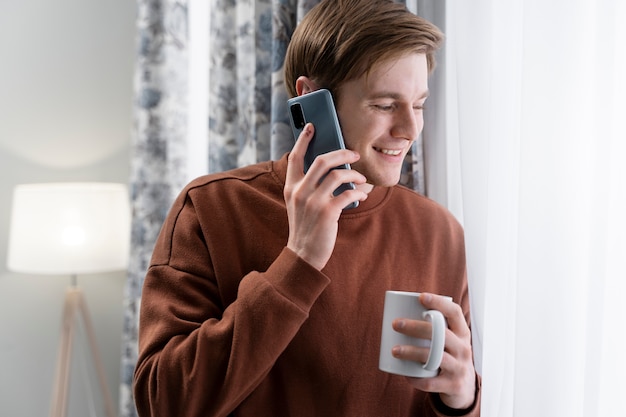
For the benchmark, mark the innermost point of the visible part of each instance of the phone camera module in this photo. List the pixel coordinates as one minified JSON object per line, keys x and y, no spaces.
{"x":297,"y":116}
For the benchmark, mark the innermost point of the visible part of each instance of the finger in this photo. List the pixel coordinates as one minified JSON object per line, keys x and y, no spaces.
{"x":457,"y":341}
{"x":326,"y":163}
{"x":411,"y":353}
{"x":420,"y":354}
{"x":455,"y":383}
{"x":335,"y":179}
{"x":335,"y":176}
{"x":451,"y":311}
{"x":347,"y":197}
{"x":295,"y":164}
{"x":437,"y":384}
{"x":422,"y":330}
{"x":414,"y":328}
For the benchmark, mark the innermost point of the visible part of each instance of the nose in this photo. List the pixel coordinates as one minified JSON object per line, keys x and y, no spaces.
{"x":408,"y":123}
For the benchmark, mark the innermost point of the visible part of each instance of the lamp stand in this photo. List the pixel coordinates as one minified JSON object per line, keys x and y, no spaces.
{"x":75,"y":307}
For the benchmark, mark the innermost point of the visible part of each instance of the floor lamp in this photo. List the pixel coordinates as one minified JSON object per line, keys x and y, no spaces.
{"x":71,"y":229}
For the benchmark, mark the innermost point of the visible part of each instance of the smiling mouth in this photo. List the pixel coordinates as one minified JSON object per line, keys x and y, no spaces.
{"x":392,"y":152}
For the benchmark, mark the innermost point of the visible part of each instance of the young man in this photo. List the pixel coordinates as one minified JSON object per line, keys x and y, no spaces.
{"x":264,"y":297}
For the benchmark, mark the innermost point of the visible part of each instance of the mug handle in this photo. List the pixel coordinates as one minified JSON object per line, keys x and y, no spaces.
{"x":438,"y":339}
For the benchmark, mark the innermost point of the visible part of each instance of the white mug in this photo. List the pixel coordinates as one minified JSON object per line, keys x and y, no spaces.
{"x":402,"y":304}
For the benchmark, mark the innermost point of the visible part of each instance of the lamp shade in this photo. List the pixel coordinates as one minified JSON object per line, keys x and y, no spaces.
{"x":69,"y":228}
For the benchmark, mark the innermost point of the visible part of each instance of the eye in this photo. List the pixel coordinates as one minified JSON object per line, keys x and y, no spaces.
{"x":419,"y":106}
{"x":383,"y":107}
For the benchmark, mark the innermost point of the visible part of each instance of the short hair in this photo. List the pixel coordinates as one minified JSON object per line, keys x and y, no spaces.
{"x":341,"y":40}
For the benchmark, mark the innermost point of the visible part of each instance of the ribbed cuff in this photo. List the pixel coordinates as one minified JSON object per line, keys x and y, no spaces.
{"x":296,"y":279}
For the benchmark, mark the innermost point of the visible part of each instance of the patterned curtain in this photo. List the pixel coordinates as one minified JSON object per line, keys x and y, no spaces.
{"x":248,"y":121}
{"x":247,"y":118}
{"x":157,"y":154}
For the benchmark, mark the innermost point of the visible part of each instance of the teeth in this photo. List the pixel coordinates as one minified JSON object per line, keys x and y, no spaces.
{"x":390,"y":152}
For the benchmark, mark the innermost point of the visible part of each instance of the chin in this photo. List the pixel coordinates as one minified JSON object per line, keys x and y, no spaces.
{"x":384,"y":182}
{"x":388,"y":184}
{"x":379,"y":176}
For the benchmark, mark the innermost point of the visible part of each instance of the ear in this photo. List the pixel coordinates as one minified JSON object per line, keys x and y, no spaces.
{"x":305,"y":85}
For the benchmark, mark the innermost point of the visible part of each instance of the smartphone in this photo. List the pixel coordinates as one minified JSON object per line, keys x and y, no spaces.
{"x":318,"y":108}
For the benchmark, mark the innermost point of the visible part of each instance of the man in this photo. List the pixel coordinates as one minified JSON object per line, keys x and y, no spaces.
{"x":264,"y":297}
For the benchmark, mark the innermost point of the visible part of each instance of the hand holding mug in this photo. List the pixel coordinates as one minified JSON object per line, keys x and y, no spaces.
{"x":401,"y":306}
{"x":455,"y":380}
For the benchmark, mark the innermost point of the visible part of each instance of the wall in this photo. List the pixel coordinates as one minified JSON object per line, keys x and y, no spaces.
{"x":65,"y":115}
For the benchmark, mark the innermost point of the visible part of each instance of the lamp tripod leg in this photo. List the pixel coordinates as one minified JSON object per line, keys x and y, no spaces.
{"x":61,"y":384}
{"x":74,"y":305}
{"x":91,"y":336}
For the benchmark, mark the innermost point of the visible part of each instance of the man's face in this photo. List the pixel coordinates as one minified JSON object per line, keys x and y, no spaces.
{"x":381,"y":116}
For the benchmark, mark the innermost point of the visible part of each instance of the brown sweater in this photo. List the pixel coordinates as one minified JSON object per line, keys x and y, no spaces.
{"x":233,"y":323}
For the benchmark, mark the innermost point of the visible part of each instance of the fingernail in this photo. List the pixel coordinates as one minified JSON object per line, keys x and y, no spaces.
{"x":428,"y":297}
{"x":396,"y":350}
{"x":400,"y":324}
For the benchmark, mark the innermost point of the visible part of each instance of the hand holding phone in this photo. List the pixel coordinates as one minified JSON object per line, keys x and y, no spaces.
{"x":313,"y":213}
{"x":318,"y":108}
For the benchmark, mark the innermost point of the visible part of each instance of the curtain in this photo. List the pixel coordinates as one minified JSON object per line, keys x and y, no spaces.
{"x":247,"y":117}
{"x":535,"y":113}
{"x":158,"y":153}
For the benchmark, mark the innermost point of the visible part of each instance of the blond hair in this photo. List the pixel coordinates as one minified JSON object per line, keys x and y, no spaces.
{"x":341,"y":40}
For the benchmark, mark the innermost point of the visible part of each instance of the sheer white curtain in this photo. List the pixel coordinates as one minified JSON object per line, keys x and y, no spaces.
{"x":536,"y":109}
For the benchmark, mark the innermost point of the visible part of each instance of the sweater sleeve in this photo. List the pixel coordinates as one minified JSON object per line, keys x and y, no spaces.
{"x":442,"y":410}
{"x":196,"y":356}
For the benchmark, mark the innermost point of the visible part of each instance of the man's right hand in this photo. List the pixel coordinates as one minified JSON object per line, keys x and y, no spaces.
{"x":312,"y":209}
